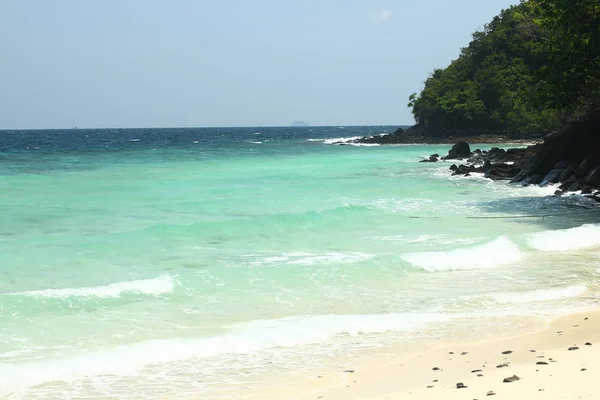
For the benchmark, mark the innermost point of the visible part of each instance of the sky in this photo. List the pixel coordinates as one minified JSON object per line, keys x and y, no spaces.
{"x":192,"y":63}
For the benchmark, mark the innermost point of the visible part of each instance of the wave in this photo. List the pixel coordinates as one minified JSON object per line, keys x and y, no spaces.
{"x":161,"y":285}
{"x":540,"y":295}
{"x":306,"y":258}
{"x":335,"y":140}
{"x":584,"y":236}
{"x":498,"y":252}
{"x":244,"y":338}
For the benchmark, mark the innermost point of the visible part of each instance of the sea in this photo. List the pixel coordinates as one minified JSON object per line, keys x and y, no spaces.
{"x":232,"y":263}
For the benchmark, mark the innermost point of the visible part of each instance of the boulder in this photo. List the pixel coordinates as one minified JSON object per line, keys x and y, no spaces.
{"x":459,"y":151}
{"x":432,"y":158}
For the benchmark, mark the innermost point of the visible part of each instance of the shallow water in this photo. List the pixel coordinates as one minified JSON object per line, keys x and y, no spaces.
{"x":148,"y":263}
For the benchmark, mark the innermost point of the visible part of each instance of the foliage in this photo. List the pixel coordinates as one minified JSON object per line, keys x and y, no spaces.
{"x":530,"y":67}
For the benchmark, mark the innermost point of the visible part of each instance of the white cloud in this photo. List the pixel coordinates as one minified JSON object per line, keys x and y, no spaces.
{"x":381,"y":15}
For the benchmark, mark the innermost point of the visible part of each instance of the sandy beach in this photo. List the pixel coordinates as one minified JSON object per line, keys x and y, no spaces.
{"x":560,"y":362}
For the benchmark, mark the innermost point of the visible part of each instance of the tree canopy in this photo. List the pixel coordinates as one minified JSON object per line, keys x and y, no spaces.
{"x":532,"y":67}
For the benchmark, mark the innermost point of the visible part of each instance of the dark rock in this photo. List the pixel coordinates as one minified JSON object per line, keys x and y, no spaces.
{"x":541,"y":363}
{"x":475,"y":370}
{"x":453,"y":167}
{"x":432,"y":158}
{"x":511,"y":379}
{"x":568,"y":183}
{"x":552,"y":177}
{"x":349,"y":371}
{"x":436,"y":369}
{"x":573,"y":348}
{"x":502,"y":366}
{"x":593,"y":177}
{"x":460,"y":385}
{"x":587,"y":164}
{"x":566,"y":173}
{"x":491,"y":393}
{"x":535,"y":179}
{"x":588,"y":344}
{"x":573,"y":142}
{"x":583,"y":369}
{"x":507,"y":352}
{"x":460,"y":150}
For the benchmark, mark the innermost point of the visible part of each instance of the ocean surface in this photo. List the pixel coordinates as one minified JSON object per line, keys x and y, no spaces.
{"x":206,"y":263}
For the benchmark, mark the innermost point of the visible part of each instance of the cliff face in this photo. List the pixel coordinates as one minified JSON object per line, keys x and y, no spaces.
{"x":570,"y":156}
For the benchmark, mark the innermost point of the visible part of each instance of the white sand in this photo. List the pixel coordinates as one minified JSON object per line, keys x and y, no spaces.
{"x":568,"y":374}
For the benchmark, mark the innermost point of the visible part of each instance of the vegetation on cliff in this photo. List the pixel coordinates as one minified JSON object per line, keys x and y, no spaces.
{"x":532,"y":68}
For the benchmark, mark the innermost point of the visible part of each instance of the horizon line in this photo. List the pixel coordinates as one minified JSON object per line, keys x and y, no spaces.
{"x":198,"y":127}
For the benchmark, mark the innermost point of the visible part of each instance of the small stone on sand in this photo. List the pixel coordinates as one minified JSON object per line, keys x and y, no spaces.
{"x":541,"y":363}
{"x":491,"y":393}
{"x":588,"y":344}
{"x":511,"y":379}
{"x":573,"y":348}
{"x":507,"y":352}
{"x":436,"y":369}
{"x":502,"y":366}
{"x":460,"y":385}
{"x":349,"y":371}
{"x":475,"y":370}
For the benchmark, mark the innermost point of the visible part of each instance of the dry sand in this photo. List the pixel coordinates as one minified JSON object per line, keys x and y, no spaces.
{"x":482,"y":368}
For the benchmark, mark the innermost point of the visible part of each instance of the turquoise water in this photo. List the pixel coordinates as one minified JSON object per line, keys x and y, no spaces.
{"x":149,"y":264}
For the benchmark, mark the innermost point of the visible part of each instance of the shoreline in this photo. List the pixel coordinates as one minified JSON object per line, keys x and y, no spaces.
{"x":481,"y":367}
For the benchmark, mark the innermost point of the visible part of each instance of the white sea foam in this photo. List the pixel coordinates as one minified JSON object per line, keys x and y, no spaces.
{"x":245,"y":338}
{"x":364,"y":144}
{"x":498,"y":252}
{"x":307,"y":258}
{"x":341,"y":140}
{"x":161,"y":285}
{"x":584,"y":236}
{"x":541,"y":294}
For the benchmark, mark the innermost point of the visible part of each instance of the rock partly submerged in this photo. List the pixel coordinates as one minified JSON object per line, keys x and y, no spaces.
{"x":570,"y":157}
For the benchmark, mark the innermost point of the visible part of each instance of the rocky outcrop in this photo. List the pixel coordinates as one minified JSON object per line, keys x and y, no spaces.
{"x":496,"y":164}
{"x":570,"y":157}
{"x":459,"y":151}
{"x":417,"y":134}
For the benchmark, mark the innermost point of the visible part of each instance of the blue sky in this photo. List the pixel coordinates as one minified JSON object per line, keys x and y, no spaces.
{"x":147,"y":63}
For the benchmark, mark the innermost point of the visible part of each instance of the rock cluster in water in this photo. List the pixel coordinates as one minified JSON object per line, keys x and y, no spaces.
{"x":570,"y":157}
